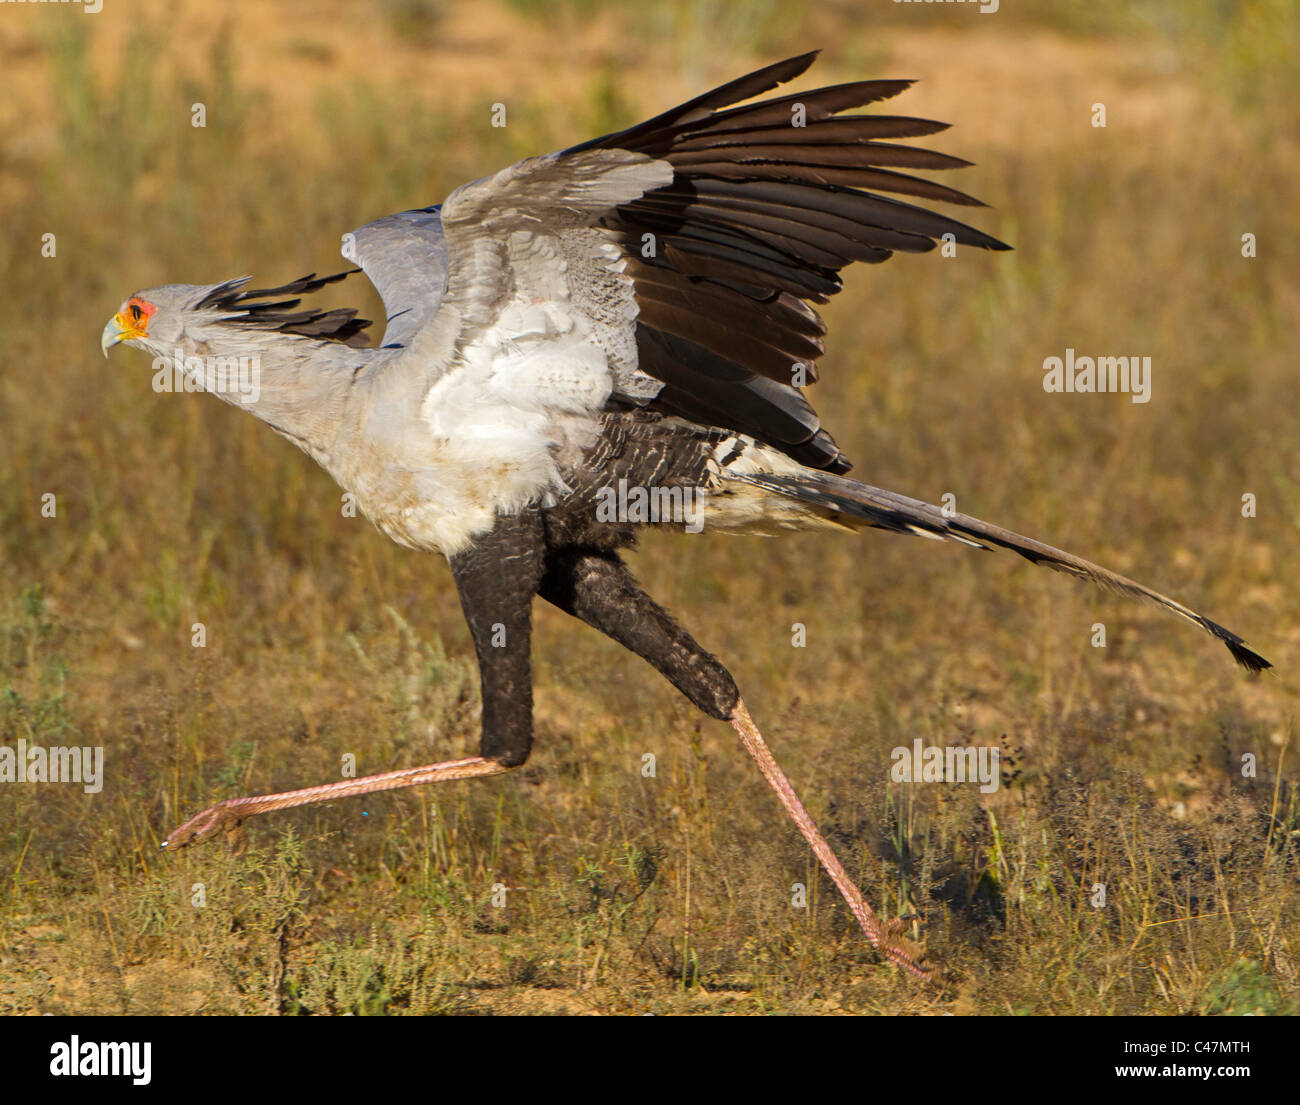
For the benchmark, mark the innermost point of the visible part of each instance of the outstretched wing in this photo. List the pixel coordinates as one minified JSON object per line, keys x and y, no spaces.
{"x":532,"y":268}
{"x":671,"y":265}
{"x":768,"y":203}
{"x":405,"y":257}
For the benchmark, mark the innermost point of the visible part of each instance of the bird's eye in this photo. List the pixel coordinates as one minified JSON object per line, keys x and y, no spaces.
{"x":135,"y":312}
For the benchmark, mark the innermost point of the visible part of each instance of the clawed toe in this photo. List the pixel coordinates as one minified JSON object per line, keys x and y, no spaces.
{"x":203,"y":827}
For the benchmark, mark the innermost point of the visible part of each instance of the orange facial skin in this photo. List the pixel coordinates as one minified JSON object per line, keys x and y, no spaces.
{"x":133,"y":319}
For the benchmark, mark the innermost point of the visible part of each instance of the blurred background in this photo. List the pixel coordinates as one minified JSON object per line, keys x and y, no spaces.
{"x":1122,"y":765}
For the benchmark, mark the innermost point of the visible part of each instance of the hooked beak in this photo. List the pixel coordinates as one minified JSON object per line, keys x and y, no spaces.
{"x":120,"y":328}
{"x":113,"y":333}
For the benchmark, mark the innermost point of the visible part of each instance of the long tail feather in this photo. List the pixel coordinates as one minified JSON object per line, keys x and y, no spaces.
{"x":848,"y":500}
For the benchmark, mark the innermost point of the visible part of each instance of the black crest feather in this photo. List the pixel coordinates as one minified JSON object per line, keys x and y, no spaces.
{"x":262,"y":309}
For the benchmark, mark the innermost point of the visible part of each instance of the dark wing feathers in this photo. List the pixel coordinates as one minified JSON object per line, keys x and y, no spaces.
{"x":768,"y":202}
{"x":834,"y":131}
{"x":694,"y":258}
{"x":742,"y":88}
{"x":789,"y":153}
{"x":817,"y":105}
{"x":711,"y":390}
{"x":751,"y":167}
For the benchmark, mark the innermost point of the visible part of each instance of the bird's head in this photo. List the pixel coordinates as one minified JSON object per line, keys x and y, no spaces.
{"x":158,"y":319}
{"x":153,"y":319}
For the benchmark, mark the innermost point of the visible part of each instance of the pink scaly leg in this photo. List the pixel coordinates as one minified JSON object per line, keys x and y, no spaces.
{"x":227,"y":815}
{"x":886,"y":938}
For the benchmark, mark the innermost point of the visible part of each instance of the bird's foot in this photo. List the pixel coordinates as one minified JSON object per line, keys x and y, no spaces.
{"x":907,"y":953}
{"x":205,"y":826}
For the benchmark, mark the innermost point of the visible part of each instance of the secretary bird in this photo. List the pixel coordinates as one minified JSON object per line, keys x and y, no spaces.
{"x":632,"y":312}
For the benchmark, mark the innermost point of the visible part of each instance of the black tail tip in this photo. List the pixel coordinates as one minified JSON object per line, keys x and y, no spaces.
{"x":1253,"y":662}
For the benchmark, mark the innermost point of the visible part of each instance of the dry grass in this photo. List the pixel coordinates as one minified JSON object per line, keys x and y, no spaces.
{"x":669,"y":894}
